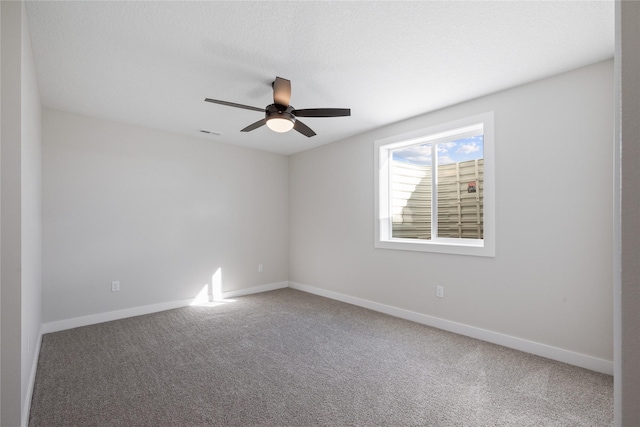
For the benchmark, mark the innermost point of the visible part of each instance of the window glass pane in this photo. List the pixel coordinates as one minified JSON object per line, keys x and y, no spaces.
{"x":460,"y":188}
{"x":411,"y":192}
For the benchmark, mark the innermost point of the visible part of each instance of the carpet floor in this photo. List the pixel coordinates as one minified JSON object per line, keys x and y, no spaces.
{"x":289,"y":358}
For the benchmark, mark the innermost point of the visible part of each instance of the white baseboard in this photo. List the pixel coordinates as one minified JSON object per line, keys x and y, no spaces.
{"x":76,"y":322}
{"x":255,"y":290}
{"x":550,"y":352}
{"x":32,"y":380}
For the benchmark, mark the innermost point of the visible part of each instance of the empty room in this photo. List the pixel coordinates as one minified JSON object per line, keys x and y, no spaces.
{"x":331,"y":213}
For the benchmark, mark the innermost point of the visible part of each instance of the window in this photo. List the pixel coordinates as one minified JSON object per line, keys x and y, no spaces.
{"x":434,"y":189}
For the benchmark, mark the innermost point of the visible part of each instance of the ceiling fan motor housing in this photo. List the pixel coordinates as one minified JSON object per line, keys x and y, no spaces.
{"x":280,"y":111}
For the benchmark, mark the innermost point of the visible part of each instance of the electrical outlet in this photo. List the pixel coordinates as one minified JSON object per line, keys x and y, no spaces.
{"x":115,"y":286}
{"x":440,"y":291}
{"x":260,"y":268}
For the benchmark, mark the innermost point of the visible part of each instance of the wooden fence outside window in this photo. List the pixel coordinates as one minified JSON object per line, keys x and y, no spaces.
{"x":460,"y":197}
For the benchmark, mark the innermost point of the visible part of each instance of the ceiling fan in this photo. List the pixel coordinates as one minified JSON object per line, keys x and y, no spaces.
{"x":282,"y":117}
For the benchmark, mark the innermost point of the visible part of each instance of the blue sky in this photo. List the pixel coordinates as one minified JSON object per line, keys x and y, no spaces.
{"x":459,"y":150}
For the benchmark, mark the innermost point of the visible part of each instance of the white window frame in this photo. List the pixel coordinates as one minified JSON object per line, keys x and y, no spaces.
{"x":382,"y":175}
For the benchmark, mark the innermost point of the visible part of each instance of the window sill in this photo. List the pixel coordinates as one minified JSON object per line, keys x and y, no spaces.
{"x":466,"y":247}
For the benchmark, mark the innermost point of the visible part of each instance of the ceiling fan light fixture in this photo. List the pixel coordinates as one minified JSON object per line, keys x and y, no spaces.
{"x":280,"y":124}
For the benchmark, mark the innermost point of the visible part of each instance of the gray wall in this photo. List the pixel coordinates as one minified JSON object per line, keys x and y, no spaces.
{"x":627,"y":249}
{"x":10,"y":28}
{"x":161,"y":213}
{"x":551,"y":279}
{"x":21,"y":216}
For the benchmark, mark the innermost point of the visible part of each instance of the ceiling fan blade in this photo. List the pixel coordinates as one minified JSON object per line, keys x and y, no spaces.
{"x":282,"y":91}
{"x":233,"y":104}
{"x":303,"y":129}
{"x":254,"y":126}
{"x":322,"y":112}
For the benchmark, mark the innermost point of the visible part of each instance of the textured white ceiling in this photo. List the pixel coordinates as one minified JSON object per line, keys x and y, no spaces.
{"x":153,"y":63}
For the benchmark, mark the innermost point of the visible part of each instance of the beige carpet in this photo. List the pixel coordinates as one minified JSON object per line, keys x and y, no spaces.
{"x":288,"y":358}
